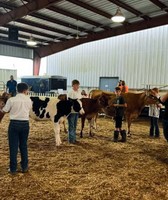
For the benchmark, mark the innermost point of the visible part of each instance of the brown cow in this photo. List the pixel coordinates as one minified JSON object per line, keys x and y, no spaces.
{"x":91,"y":108}
{"x":135,"y":103}
{"x":3,"y":99}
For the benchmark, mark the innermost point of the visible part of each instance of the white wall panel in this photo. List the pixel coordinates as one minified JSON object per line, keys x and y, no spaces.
{"x":19,"y":52}
{"x":138,"y":58}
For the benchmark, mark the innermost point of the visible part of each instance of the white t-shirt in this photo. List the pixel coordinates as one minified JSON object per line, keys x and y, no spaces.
{"x":74,"y":94}
{"x":18,"y":107}
{"x":154,"y":111}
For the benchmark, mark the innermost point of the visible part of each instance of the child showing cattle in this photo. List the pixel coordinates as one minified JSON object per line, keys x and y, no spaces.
{"x":154,"y":112}
{"x":119,"y":104}
{"x":164,"y":100}
{"x":18,"y":130}
{"x":73,"y":94}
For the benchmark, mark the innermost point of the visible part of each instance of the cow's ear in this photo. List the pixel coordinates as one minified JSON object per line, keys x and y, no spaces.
{"x":103,"y":100}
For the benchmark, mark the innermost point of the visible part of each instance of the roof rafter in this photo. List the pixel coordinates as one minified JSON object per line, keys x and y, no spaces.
{"x":130,"y":9}
{"x":159,"y":4}
{"x":42,"y":26}
{"x":25,"y":10}
{"x":91,"y":8}
{"x":31,"y":31}
{"x":50,"y":19}
{"x":75,"y":16}
{"x":22,"y":36}
{"x":141,"y":25}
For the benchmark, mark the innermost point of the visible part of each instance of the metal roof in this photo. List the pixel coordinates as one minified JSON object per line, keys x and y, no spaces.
{"x":55,"y":24}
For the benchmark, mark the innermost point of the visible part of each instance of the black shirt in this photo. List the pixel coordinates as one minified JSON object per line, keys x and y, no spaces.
{"x":166,"y":109}
{"x":119,"y":110}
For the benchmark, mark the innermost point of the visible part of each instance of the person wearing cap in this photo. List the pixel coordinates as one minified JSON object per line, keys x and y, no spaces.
{"x":120,"y":105}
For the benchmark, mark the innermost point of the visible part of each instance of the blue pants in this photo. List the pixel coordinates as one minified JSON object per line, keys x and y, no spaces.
{"x":165,"y":129}
{"x":72,"y":124}
{"x":18,"y":132}
{"x":154,"y":128}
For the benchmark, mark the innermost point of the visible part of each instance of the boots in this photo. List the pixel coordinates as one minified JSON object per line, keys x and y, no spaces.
{"x":116,"y":134}
{"x":123,"y":136}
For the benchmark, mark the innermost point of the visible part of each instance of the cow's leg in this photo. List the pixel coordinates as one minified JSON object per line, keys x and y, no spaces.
{"x":57,"y":134}
{"x":64,"y":124}
{"x":91,"y":125}
{"x":82,"y":125}
{"x":94,"y":122}
{"x":129,"y":129}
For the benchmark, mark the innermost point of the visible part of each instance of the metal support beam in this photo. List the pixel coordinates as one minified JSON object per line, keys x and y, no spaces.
{"x":129,"y":8}
{"x":137,"y":26}
{"x":159,"y":4}
{"x":25,"y":10}
{"x":91,"y":8}
{"x":36,"y":64}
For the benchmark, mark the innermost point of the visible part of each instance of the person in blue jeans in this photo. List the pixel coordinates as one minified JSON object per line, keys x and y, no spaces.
{"x":18,"y":130}
{"x":154,"y":112}
{"x":74,"y":93}
{"x":11,"y":86}
{"x":164,"y":100}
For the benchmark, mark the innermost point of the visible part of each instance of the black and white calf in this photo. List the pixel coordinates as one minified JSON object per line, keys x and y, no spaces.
{"x":55,"y":110}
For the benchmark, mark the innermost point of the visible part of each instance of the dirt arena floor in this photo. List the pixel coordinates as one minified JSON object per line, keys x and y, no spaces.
{"x":95,"y":169}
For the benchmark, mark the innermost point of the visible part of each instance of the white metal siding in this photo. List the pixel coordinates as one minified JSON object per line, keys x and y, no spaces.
{"x":19,"y":52}
{"x":138,"y":58}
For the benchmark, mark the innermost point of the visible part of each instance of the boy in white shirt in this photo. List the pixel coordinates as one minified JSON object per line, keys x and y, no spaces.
{"x":74,"y":93}
{"x":18,"y":130}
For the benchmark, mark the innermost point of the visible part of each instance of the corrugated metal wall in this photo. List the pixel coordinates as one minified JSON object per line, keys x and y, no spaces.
{"x":138,"y":58}
{"x":19,"y":52}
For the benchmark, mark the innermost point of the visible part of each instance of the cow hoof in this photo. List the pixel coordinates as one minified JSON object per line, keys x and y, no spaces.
{"x":129,"y":135}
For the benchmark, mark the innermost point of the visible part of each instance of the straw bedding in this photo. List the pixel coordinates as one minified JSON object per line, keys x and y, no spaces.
{"x":94,"y":169}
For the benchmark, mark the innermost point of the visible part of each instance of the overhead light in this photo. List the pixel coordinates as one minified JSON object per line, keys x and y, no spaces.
{"x":31,"y":42}
{"x":118,"y":17}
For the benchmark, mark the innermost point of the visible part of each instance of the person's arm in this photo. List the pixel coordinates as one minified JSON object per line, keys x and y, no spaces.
{"x":164,"y":98}
{"x":7,"y":106}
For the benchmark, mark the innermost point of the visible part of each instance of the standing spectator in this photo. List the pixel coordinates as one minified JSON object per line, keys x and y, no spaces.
{"x":124,"y":87}
{"x":11,"y":86}
{"x":84,"y":95}
{"x":120,"y":85}
{"x":154,"y":112}
{"x":18,"y":130}
{"x":164,"y":100}
{"x":119,"y":104}
{"x":74,"y":93}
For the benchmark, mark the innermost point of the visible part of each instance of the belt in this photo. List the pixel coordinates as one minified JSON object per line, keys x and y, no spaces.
{"x":13,"y":120}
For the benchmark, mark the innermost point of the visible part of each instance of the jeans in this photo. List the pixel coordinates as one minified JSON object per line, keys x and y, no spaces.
{"x":154,"y":128}
{"x":165,"y":129}
{"x":18,"y":132}
{"x":72,"y":124}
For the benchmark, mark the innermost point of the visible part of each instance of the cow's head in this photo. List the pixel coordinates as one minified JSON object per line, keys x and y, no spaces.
{"x":151,"y":97}
{"x":106,"y":102}
{"x":3,"y":99}
{"x":77,"y":106}
{"x":62,"y":97}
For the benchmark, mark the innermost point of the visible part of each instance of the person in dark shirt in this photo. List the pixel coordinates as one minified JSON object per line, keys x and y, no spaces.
{"x":11,"y":86}
{"x":119,"y":104}
{"x":164,"y":100}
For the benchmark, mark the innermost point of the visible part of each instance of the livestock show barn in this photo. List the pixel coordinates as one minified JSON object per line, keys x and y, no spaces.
{"x":85,"y":40}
